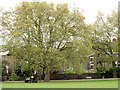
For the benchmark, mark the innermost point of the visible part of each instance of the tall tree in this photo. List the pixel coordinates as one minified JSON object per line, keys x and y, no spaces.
{"x":40,"y":32}
{"x":104,"y":37}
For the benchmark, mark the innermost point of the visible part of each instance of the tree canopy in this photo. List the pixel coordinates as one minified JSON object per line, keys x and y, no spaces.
{"x":105,"y":37}
{"x":45,"y":37}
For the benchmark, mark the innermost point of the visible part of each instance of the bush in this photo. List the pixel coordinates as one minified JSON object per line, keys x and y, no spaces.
{"x":109,"y":72}
{"x":4,"y":78}
{"x":20,"y":73}
{"x":13,"y":77}
{"x":118,"y":70}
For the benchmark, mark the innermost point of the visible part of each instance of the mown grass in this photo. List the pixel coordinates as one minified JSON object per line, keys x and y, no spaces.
{"x":64,"y":84}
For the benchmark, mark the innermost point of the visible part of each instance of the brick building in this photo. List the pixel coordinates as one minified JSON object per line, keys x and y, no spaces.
{"x":8,"y":64}
{"x":95,"y":63}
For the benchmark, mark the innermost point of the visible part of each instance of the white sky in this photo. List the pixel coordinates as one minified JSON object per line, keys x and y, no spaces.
{"x":90,"y":7}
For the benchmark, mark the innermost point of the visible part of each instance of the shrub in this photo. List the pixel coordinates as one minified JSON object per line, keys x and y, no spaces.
{"x":4,"y":78}
{"x":109,"y":72}
{"x":20,"y":73}
{"x":13,"y":76}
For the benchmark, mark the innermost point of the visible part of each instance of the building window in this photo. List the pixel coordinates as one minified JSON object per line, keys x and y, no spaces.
{"x":35,"y":72}
{"x":116,"y":62}
{"x":91,"y":59}
{"x":91,"y":67}
{"x":6,"y":68}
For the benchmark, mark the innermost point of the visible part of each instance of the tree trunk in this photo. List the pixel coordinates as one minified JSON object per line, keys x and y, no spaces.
{"x":47,"y":76}
{"x":43,"y":74}
{"x":114,"y":70}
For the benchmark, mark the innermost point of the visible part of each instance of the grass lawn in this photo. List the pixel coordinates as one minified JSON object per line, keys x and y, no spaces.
{"x":107,"y":83}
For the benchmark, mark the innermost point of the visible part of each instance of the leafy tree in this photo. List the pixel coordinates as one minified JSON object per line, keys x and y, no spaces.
{"x":104,"y":37}
{"x":38,"y":33}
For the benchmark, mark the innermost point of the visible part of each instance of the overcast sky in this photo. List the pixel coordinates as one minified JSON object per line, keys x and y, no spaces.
{"x":90,"y":7}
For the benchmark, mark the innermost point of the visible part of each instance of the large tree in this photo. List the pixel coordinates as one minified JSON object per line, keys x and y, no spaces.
{"x":39,"y":32}
{"x":104,"y":37}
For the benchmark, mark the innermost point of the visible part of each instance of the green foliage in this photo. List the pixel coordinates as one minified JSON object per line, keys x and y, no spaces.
{"x":78,"y":70}
{"x":104,"y":37}
{"x":13,"y":75}
{"x":100,"y":68}
{"x":39,"y":33}
{"x":21,"y":73}
{"x":69,"y":72}
{"x":4,"y":78}
{"x":110,"y":71}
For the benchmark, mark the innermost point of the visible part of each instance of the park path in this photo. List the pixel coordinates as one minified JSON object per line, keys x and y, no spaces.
{"x":72,"y":80}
